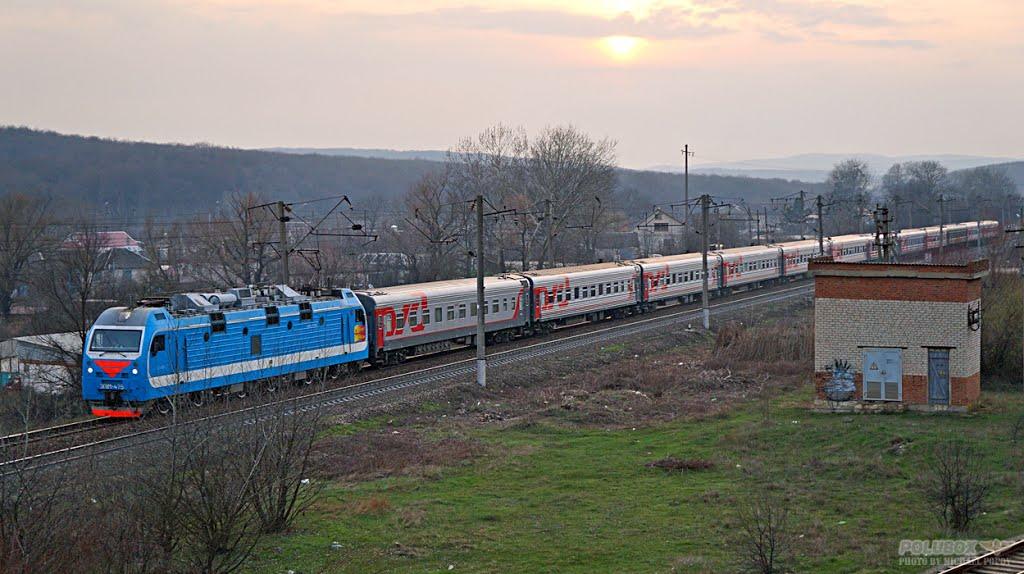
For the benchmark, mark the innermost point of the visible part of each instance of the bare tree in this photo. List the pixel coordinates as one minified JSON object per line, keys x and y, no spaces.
{"x":957,"y":484}
{"x":37,"y":525}
{"x":494,"y":164}
{"x":217,"y":526}
{"x":75,"y":285}
{"x":282,"y":444}
{"x":439,"y":216}
{"x":849,"y":183}
{"x":763,"y":533}
{"x":237,"y":247}
{"x":164,"y":247}
{"x":24,"y":223}
{"x":925,"y":181}
{"x":567,"y":170}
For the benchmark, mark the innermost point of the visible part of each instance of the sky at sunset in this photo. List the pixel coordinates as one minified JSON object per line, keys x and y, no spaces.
{"x":735,"y":79}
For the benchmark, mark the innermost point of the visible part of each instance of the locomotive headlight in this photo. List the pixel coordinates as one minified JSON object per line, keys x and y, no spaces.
{"x":90,"y":370}
{"x":135,"y":371}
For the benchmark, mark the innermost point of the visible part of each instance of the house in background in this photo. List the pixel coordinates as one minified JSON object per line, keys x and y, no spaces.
{"x":124,"y":264}
{"x":103,"y":241}
{"x":661,"y":233}
{"x":616,"y":246}
{"x":43,"y":362}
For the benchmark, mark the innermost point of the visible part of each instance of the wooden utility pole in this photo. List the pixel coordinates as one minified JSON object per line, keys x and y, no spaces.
{"x":282,"y":229}
{"x":705,"y":206}
{"x":481,"y":305}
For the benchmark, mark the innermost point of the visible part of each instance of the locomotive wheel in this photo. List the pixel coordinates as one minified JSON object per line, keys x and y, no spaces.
{"x":163,"y":406}
{"x":242,"y":393}
{"x":197,"y":399}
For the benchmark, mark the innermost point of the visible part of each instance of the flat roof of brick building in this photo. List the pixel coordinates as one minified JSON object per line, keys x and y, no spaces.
{"x":826,"y":266}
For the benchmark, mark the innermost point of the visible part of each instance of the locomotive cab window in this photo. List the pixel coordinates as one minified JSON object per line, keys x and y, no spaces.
{"x":159,"y":344}
{"x":360,"y":316}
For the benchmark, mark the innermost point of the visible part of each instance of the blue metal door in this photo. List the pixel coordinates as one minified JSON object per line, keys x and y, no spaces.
{"x":882,"y":375}
{"x":938,"y":376}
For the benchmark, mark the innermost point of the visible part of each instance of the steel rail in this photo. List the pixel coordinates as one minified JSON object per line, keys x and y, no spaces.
{"x":370,"y":389}
{"x":1006,"y":560}
{"x":56,"y":431}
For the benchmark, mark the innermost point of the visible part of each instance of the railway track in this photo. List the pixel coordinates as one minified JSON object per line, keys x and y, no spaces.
{"x":54,"y":432}
{"x":421,"y":378}
{"x":1006,"y":560}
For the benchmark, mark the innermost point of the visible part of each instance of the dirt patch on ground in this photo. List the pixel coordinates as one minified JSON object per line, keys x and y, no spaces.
{"x":377,"y":454}
{"x":636,"y":382}
{"x":679,"y":374}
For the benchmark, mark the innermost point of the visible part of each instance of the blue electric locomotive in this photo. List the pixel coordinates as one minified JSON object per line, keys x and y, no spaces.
{"x":192,"y":346}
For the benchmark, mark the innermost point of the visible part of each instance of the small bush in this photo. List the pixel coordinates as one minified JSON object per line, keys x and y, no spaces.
{"x":1001,"y":329}
{"x":672,"y":464}
{"x":763,"y":539}
{"x":956,"y":485}
{"x":776,"y":345}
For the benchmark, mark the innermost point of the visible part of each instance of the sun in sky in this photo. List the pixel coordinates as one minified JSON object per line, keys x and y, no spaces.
{"x":621,"y":48}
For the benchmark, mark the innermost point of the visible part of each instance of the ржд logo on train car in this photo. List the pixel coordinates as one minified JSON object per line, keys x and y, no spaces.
{"x":388,"y":324}
{"x":547,"y":297}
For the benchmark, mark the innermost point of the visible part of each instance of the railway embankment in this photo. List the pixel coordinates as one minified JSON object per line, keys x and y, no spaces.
{"x":640,"y":456}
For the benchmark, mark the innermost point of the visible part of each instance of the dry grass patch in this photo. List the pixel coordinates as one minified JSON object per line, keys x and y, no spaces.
{"x":673,"y":464}
{"x":371,"y":455}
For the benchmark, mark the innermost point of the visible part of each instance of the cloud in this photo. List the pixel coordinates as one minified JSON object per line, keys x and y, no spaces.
{"x":661,"y":23}
{"x":890,"y":43}
{"x":809,"y":15}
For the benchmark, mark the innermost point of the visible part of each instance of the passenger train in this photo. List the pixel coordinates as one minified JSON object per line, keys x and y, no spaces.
{"x":193,"y":346}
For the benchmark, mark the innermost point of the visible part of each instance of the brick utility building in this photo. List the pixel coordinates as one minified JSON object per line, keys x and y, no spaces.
{"x":895,"y":336}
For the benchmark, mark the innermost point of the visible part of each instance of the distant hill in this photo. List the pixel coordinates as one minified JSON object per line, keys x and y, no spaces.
{"x":135,"y":179}
{"x":815,"y":167}
{"x":1015,"y":169}
{"x":427,"y":154}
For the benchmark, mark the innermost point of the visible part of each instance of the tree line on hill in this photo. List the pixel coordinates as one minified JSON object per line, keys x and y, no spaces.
{"x":920,"y":193}
{"x":127,"y":181}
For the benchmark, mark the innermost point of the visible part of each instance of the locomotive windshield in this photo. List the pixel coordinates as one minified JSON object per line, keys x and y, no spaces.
{"x":116,"y":340}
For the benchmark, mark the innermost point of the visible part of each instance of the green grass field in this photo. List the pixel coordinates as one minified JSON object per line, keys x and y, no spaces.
{"x":550,"y":496}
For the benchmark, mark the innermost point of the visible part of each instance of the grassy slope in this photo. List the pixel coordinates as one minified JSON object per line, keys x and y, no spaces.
{"x":559,"y":498}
